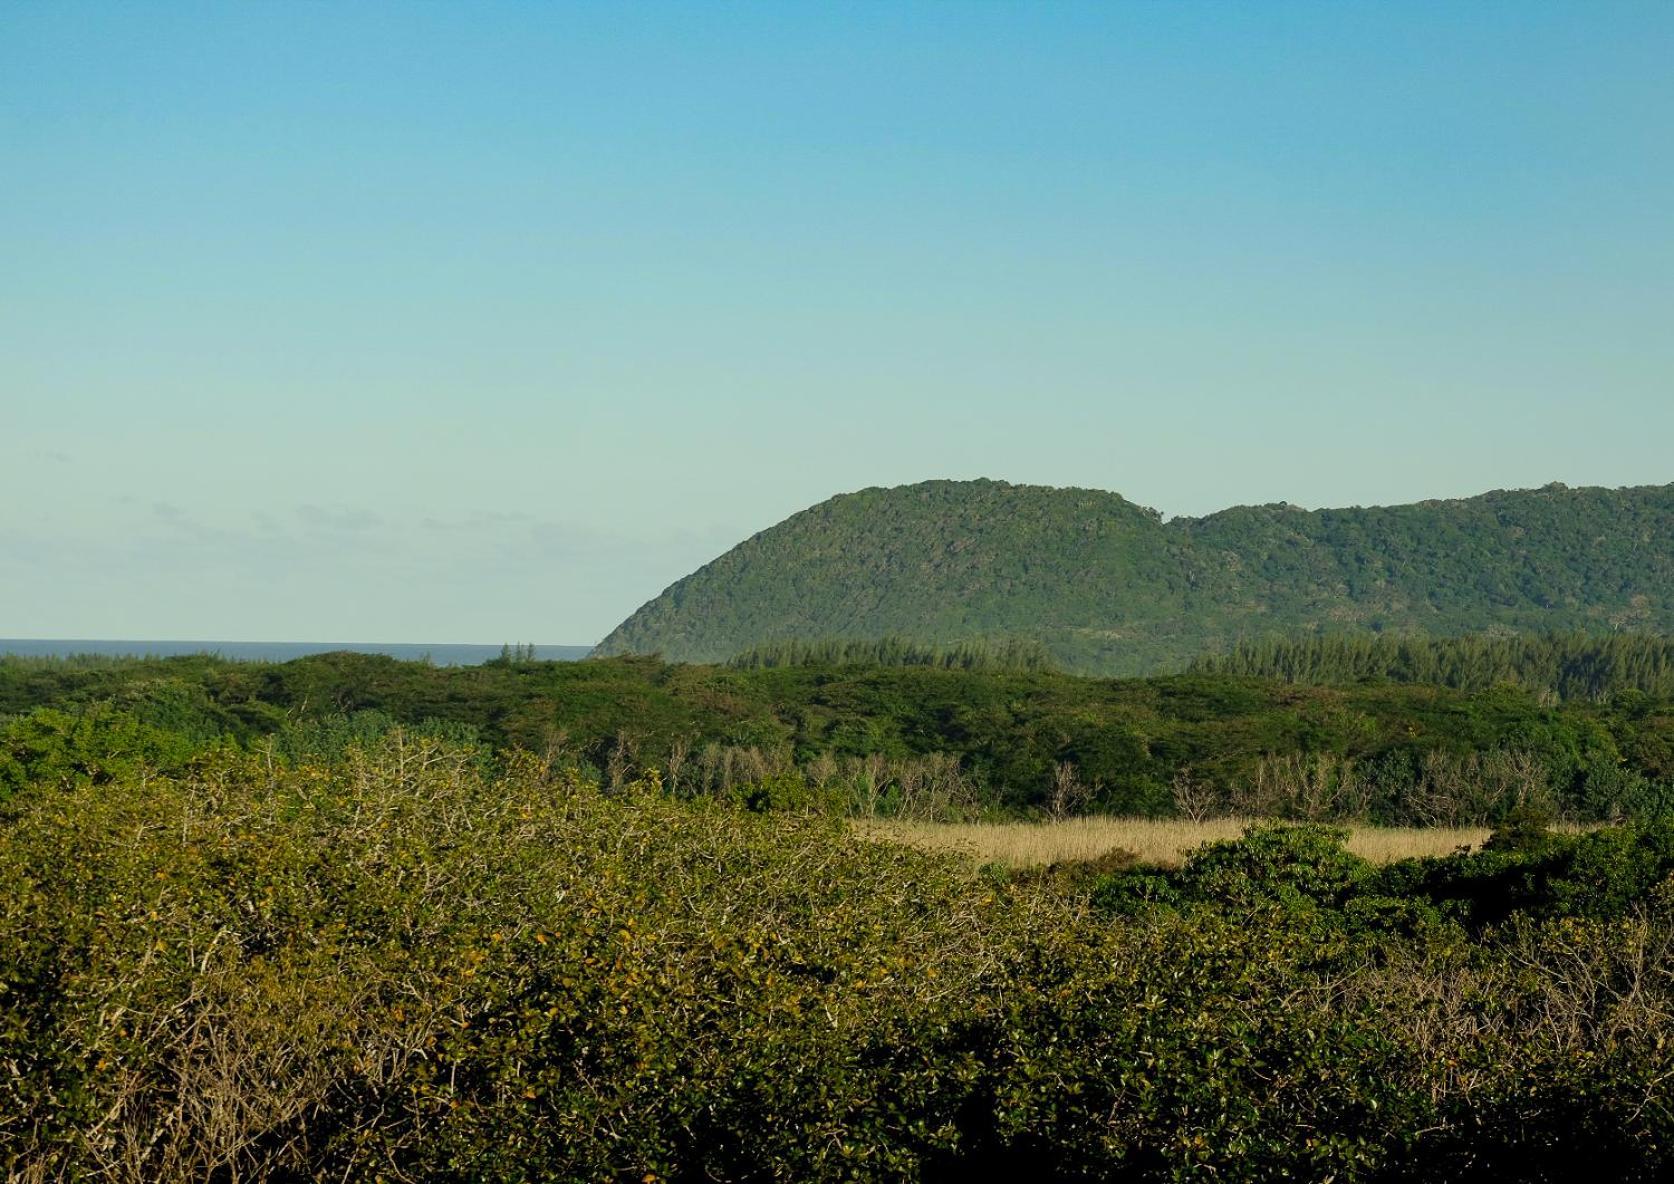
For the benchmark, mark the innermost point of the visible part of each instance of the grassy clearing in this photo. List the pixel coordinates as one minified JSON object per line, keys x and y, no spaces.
{"x":1162,"y":841}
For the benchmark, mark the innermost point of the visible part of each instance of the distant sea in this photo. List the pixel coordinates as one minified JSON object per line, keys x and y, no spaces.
{"x":276,"y":651}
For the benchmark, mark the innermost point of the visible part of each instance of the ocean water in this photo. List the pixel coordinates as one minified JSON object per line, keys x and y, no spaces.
{"x":276,"y":651}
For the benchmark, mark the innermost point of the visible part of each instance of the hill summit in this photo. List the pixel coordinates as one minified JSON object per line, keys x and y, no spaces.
{"x":1109,"y":587}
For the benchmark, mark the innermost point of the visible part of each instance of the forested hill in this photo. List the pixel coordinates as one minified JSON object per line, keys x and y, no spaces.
{"x":1109,"y":587}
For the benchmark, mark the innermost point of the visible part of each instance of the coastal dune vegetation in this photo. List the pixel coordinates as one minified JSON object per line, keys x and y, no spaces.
{"x":921,"y":732}
{"x":898,"y":913}
{"x":412,"y":964}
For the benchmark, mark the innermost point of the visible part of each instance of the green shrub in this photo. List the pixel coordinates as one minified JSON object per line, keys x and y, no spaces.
{"x":401,"y":965}
{"x":96,"y":745}
{"x":1524,"y":831}
{"x":1295,"y":866}
{"x":791,"y":794}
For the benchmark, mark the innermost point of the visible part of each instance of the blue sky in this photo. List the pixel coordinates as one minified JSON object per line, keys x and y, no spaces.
{"x":483,"y":322}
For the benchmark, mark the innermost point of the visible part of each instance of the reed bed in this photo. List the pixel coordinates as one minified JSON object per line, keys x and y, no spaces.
{"x":1160,"y":841}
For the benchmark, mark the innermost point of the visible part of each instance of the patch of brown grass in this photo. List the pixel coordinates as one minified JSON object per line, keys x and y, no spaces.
{"x":1161,"y":841}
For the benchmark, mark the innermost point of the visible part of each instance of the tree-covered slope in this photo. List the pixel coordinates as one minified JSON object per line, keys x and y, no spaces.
{"x":1108,"y":586}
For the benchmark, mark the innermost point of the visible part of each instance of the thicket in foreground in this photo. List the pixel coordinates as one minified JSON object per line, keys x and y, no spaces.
{"x":400,"y":968}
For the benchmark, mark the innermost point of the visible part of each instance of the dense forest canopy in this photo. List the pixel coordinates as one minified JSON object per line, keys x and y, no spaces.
{"x":897,"y":651}
{"x":913,"y":736}
{"x":1565,"y":666}
{"x":1109,"y":587}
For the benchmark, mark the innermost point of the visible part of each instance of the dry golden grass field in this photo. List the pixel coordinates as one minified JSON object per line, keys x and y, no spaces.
{"x":1155,"y":840}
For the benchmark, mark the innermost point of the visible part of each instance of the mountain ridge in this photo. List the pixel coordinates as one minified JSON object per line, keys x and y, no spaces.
{"x":1111,"y":587}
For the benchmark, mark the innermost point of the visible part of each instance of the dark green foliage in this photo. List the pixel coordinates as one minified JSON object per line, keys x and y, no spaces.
{"x":331,"y":738}
{"x":996,"y":741}
{"x":1568,"y":666}
{"x":58,"y":749}
{"x":1526,"y":830}
{"x":1603,"y":874}
{"x":783,"y":794}
{"x":897,"y":651}
{"x":1109,"y":587}
{"x":1291,"y":866}
{"x":1300,"y":871}
{"x":1523,"y":870}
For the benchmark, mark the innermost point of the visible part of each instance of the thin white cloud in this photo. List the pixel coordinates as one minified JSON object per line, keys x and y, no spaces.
{"x":338,"y":518}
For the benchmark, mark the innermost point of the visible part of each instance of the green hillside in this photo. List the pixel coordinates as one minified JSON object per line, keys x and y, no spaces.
{"x":1107,"y":586}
